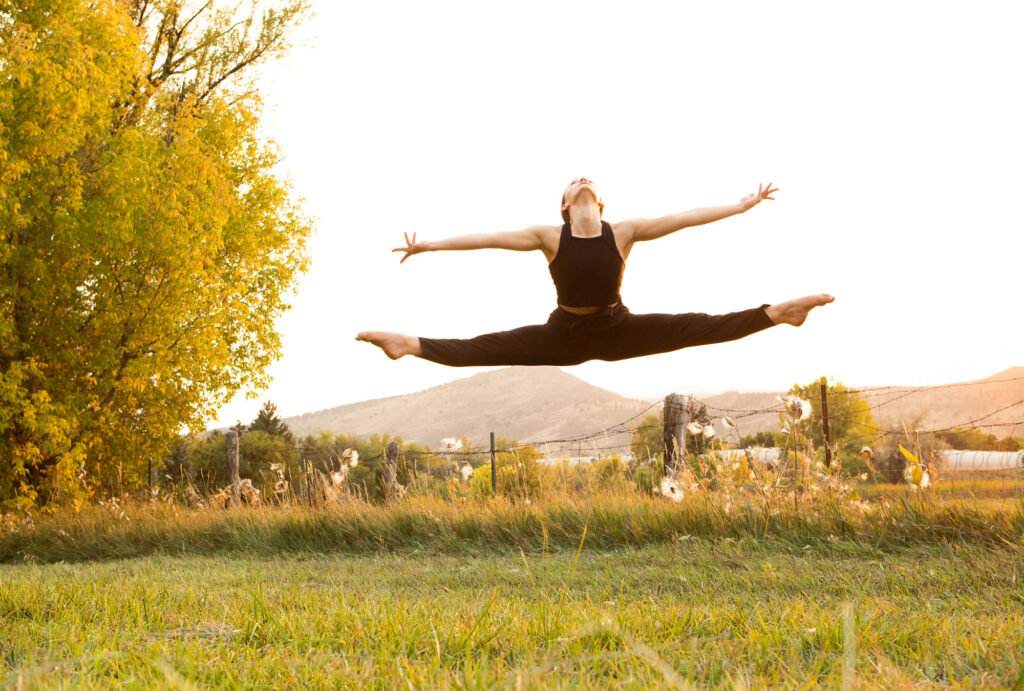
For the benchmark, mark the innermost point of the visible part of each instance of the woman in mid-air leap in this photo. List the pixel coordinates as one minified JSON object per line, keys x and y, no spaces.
{"x":586,"y":257}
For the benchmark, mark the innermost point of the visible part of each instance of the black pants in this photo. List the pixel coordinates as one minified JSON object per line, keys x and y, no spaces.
{"x":613,"y":333}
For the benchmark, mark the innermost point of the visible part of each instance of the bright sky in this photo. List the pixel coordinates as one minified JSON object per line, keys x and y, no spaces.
{"x":893,"y":129}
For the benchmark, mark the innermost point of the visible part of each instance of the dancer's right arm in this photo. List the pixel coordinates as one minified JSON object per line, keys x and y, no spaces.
{"x":531,"y":238}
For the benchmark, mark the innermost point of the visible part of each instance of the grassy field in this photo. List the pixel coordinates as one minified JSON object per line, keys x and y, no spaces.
{"x":588,"y":592}
{"x":718,"y":612}
{"x":995,"y":489}
{"x":436,"y":525}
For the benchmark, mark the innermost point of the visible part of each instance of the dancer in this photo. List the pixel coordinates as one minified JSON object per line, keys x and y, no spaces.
{"x":586,"y":257}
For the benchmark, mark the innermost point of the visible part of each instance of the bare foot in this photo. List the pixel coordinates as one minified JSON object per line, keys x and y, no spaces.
{"x":795,"y":311}
{"x":394,"y":345}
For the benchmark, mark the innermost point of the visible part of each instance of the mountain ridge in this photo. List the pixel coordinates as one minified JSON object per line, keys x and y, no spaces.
{"x":523,"y":403}
{"x":547,"y":403}
{"x":921,"y":407}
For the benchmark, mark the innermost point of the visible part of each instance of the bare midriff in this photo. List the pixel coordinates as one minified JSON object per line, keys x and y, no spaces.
{"x":584,"y":310}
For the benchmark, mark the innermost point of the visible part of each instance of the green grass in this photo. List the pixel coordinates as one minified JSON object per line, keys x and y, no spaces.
{"x":705,"y":611}
{"x":595,"y":591}
{"x":991,"y":489}
{"x":440,"y":526}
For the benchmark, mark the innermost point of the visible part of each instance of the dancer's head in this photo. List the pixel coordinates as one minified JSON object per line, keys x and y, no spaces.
{"x":574,"y":190}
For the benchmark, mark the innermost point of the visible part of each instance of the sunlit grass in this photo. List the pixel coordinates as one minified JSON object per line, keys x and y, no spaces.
{"x":705,"y":611}
{"x":982,"y":490}
{"x":592,"y":590}
{"x":497,"y":526}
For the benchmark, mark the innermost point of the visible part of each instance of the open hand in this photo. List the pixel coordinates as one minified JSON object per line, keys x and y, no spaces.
{"x":763,"y":192}
{"x":411,"y":247}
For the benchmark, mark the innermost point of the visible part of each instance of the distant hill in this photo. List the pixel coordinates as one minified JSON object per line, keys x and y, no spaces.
{"x":929,"y":407}
{"x":523,"y":403}
{"x":544,"y":403}
{"x":937,"y":407}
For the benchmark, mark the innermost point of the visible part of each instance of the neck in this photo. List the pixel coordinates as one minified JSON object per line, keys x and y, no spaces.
{"x":585,"y":218}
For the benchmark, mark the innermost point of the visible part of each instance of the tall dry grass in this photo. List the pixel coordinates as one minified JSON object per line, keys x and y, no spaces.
{"x":612,"y":519}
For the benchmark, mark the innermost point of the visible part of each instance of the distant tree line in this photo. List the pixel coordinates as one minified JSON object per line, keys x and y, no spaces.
{"x":968,"y":439}
{"x":199,"y":460}
{"x":859,"y":444}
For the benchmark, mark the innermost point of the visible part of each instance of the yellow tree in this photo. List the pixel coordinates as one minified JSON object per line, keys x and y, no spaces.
{"x":647,"y":440}
{"x":147,"y":242}
{"x":850,"y":422}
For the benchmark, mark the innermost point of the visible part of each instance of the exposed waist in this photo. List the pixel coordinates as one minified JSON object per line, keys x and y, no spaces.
{"x":593,"y":323}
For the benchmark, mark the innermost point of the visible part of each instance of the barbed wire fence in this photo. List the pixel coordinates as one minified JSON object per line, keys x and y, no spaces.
{"x":618,"y":438}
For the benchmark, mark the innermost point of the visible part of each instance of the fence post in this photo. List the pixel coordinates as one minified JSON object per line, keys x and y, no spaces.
{"x":231,"y":450}
{"x":675,"y":432}
{"x":390,"y":467}
{"x":824,"y":425}
{"x":494,"y":470}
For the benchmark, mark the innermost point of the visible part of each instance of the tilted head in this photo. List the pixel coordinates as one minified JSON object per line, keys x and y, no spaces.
{"x":574,"y":190}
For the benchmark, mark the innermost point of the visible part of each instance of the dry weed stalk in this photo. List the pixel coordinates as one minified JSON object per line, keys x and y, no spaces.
{"x":731,"y":477}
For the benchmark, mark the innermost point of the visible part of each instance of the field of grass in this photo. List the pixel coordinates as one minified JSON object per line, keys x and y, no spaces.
{"x":716,"y":612}
{"x":437,"y":525}
{"x":593,"y":593}
{"x":994,"y":489}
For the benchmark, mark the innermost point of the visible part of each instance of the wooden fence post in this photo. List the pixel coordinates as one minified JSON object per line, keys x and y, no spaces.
{"x":675,"y":432}
{"x":231,"y":451}
{"x":494,"y":470}
{"x":824,"y":425}
{"x":390,"y":469}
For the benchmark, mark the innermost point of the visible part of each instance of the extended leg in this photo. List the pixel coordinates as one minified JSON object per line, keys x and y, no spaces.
{"x":647,"y":334}
{"x":634,"y":336}
{"x":541,"y":344}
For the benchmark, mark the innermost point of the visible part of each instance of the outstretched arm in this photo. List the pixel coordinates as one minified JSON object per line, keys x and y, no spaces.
{"x":654,"y":228}
{"x":519,"y":240}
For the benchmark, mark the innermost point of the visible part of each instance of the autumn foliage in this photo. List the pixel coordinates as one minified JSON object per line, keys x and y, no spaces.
{"x":147,"y":243}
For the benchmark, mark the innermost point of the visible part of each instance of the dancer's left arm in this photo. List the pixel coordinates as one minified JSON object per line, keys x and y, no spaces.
{"x":640,"y":229}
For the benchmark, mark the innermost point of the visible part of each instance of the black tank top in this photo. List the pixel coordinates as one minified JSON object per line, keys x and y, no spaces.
{"x":587,"y":271}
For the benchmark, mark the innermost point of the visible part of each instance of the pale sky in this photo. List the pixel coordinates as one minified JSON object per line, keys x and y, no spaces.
{"x":892,"y":128}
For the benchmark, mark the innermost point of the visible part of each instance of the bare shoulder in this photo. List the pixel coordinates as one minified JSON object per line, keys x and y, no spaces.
{"x":545,"y":231}
{"x":548,"y":237}
{"x":625,"y":229}
{"x":624,"y":234}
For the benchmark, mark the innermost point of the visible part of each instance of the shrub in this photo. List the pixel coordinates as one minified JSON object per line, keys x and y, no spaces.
{"x":518,"y":476}
{"x":611,"y":473}
{"x":891,"y":463}
{"x":646,"y":473}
